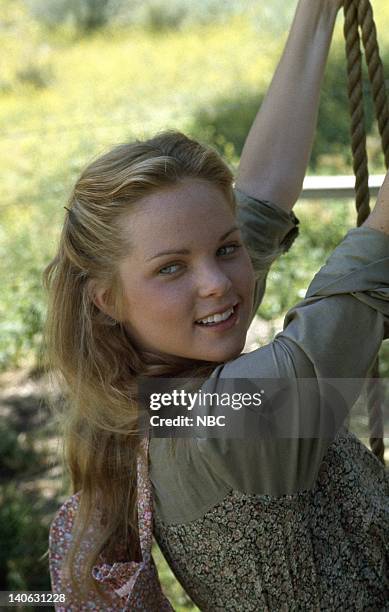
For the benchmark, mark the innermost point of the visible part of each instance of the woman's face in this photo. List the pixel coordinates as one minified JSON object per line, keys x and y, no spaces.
{"x":187,"y":262}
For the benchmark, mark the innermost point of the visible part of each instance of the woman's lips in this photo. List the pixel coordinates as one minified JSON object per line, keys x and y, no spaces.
{"x":232,"y":320}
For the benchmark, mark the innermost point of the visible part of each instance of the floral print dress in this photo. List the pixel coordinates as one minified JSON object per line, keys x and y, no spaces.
{"x":323,"y":549}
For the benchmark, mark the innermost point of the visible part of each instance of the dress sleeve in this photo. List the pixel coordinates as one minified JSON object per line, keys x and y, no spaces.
{"x":333,"y":334}
{"x":267,"y":231}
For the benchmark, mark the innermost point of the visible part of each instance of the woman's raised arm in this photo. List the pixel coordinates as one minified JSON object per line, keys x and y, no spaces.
{"x":277,"y":150}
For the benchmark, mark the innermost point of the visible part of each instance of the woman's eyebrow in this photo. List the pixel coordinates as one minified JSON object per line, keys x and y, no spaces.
{"x":186,"y":251}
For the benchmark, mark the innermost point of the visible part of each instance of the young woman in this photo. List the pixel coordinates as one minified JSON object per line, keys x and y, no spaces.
{"x":160,"y":268}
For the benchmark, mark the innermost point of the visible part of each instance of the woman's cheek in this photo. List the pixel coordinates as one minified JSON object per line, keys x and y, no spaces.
{"x":174,"y":298}
{"x":245,"y":274}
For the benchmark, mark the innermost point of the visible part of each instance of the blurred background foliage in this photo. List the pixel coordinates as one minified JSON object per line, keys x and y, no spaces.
{"x":78,"y":76}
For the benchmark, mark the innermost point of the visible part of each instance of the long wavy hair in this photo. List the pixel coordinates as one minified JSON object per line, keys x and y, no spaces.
{"x":92,"y":354}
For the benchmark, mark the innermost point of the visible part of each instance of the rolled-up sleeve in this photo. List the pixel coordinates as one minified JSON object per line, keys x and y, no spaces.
{"x":267,"y":231}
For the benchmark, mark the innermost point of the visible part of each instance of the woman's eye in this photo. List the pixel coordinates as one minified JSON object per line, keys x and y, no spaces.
{"x":229,"y":249}
{"x":224,"y":251}
{"x":167,"y":270}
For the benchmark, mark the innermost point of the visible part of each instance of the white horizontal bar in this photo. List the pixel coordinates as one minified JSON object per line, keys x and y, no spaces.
{"x":317,"y":187}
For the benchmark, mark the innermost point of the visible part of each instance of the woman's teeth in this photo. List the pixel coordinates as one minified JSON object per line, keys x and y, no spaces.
{"x":217,"y":318}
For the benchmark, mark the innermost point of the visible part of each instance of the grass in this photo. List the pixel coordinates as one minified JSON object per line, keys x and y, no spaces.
{"x":64,"y":100}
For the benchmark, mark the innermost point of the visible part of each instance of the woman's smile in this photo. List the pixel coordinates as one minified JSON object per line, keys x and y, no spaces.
{"x":221,"y":321}
{"x":188,"y":282}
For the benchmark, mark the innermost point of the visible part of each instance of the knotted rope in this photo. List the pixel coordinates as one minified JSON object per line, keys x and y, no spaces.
{"x":359,"y":15}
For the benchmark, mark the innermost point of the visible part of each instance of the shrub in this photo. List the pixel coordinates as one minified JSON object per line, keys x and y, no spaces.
{"x":24,"y":539}
{"x":28,"y":57}
{"x":159,"y":15}
{"x":225,"y":125}
{"x":156,"y":15}
{"x":39,"y":76}
{"x":84,"y":15}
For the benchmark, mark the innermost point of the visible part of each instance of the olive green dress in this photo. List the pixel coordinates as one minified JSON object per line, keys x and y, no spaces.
{"x":293,"y":523}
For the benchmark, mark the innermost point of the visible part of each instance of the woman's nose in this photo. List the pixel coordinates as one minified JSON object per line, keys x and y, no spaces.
{"x":213,"y":281}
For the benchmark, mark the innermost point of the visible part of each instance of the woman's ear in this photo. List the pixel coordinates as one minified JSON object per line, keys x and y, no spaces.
{"x":102,"y":298}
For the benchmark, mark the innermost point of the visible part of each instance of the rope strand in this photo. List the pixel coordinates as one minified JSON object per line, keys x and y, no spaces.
{"x":376,"y":72}
{"x":355,"y":93}
{"x":360,"y":13}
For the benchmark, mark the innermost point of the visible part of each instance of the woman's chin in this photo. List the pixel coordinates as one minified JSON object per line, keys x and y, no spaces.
{"x":222,"y":356}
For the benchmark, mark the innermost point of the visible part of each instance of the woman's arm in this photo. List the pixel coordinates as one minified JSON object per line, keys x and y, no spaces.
{"x":277,"y":150}
{"x":329,"y":342}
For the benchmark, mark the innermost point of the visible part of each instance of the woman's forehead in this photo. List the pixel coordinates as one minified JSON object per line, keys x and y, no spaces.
{"x":191,"y":210}
{"x":187,"y":192}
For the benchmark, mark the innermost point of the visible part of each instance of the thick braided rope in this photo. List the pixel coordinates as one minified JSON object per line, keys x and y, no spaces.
{"x":376,"y":72}
{"x":355,"y":93}
{"x":360,"y":12}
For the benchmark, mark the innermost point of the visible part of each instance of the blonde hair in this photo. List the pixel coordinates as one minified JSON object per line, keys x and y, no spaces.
{"x":91,"y":353}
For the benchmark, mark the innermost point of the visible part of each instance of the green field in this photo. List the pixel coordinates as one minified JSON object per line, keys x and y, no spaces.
{"x":65,"y":98}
